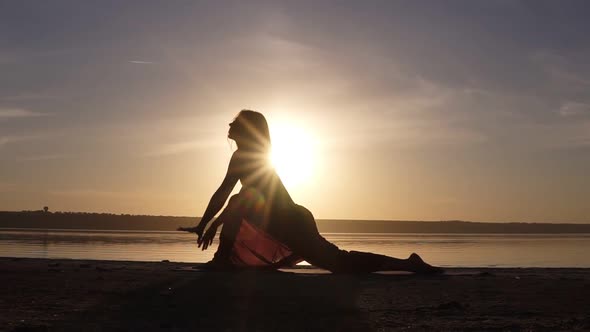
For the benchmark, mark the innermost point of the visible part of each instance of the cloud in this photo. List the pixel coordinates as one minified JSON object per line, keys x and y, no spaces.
{"x":29,"y":96}
{"x":572,"y":136}
{"x":4,"y":140}
{"x":19,"y":113}
{"x":7,"y":187}
{"x":182,"y":147}
{"x":569,"y":69}
{"x":141,"y":62}
{"x":93,"y":193}
{"x":26,"y":55}
{"x":564,"y":135}
{"x":408,"y":133}
{"x":43,"y":157}
{"x":574,"y":108}
{"x":10,"y":139}
{"x":78,"y":193}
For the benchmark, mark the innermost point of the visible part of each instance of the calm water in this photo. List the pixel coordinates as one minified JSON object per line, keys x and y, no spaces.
{"x":461,"y":250}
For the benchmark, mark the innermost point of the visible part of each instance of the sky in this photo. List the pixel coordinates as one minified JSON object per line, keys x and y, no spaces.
{"x":415,"y":110}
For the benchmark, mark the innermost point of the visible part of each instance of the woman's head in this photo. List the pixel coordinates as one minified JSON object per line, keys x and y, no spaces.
{"x":250,"y":130}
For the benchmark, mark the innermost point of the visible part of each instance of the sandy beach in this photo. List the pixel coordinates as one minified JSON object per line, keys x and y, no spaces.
{"x":75,"y":295}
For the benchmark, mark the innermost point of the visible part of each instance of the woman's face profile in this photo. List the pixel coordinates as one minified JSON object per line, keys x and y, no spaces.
{"x":231,"y":130}
{"x":234,"y":129}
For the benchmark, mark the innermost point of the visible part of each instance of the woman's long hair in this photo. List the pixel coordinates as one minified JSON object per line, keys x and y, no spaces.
{"x":253,"y":131}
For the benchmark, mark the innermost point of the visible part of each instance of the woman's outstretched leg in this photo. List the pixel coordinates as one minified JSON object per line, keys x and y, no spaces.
{"x":414,"y":263}
{"x":305,"y":240}
{"x":324,"y":254}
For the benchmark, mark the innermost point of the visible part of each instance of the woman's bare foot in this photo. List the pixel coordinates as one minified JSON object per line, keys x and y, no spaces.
{"x":418,"y":265}
{"x":218,"y":265}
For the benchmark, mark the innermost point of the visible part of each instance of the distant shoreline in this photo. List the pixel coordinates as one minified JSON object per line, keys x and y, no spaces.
{"x":125,"y":222}
{"x":91,"y":230}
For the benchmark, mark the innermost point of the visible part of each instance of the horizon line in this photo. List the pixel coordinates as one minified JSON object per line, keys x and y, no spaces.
{"x":321,"y":219}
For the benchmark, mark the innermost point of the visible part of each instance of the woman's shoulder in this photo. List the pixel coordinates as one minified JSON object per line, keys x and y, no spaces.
{"x":237,"y":156}
{"x":235,"y":159}
{"x":246,"y":156}
{"x":237,"y":162}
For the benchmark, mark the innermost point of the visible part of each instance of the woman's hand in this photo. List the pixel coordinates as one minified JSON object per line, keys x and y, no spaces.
{"x":196,"y":229}
{"x":208,"y":237}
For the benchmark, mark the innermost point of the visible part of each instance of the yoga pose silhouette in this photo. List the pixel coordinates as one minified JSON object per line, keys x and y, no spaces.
{"x":263,"y":227}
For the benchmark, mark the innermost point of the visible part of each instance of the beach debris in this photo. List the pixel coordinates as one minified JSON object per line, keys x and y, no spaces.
{"x":485,"y":274}
{"x":165,"y":325}
{"x":167,"y":291}
{"x":30,"y":328}
{"x":165,"y":261}
{"x":453,"y":305}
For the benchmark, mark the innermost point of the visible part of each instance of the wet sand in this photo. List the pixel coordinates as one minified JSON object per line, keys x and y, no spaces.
{"x":76,"y":295}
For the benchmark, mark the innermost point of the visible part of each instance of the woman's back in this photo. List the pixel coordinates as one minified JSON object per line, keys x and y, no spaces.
{"x":256,"y":175}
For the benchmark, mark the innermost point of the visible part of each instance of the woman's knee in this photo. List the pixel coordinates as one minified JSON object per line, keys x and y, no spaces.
{"x":234,"y":200}
{"x":306,"y":219}
{"x":304,"y":212}
{"x":231,"y":211}
{"x":235,"y":205}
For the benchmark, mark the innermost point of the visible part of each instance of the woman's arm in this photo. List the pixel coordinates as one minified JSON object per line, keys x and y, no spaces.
{"x":209,"y":235}
{"x":217,"y":200}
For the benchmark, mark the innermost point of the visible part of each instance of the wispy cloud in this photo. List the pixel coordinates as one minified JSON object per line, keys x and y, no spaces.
{"x":182,"y":147}
{"x":93,"y":193}
{"x":7,"y":186}
{"x":25,"y":55}
{"x":29,"y":96}
{"x":565,"y":135}
{"x":574,"y":108}
{"x":8,"y":139}
{"x":142,"y":62}
{"x":408,"y":133}
{"x":19,"y":113}
{"x":564,"y":69}
{"x":572,"y":136}
{"x":77,"y":193}
{"x":43,"y":157}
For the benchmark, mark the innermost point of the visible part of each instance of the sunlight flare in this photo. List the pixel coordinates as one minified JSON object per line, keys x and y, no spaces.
{"x":293,"y":153}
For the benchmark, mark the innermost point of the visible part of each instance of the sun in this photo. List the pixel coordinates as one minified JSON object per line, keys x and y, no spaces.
{"x":293,"y":154}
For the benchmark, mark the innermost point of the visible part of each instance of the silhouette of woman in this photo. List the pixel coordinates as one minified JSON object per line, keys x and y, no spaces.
{"x":263,"y":227}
